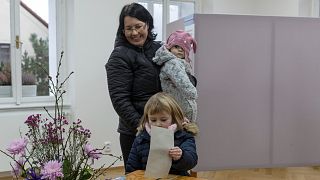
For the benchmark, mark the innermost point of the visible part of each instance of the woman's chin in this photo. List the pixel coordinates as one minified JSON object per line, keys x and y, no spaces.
{"x":137,"y":42}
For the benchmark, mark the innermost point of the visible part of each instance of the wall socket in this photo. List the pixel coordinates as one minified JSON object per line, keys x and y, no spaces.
{"x":107,"y":147}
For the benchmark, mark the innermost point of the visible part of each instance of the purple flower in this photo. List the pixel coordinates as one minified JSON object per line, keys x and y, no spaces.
{"x":51,"y":170}
{"x":33,"y":120}
{"x":91,"y":152}
{"x":32,"y":175}
{"x":18,"y":146}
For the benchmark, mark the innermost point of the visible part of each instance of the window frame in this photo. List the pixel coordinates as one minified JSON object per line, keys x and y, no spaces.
{"x":57,"y":12}
{"x":166,"y":10}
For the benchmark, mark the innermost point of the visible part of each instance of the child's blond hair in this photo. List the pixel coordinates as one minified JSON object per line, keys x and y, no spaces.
{"x":161,"y":102}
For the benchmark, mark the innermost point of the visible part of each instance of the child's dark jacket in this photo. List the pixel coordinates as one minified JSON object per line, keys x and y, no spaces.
{"x":140,"y":150}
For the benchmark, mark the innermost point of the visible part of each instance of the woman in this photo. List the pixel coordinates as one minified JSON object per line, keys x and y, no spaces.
{"x":132,"y":76}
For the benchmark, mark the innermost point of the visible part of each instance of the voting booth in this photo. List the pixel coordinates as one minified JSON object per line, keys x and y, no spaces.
{"x":259,"y":90}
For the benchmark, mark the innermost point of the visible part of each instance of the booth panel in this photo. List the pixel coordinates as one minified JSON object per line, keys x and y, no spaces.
{"x":233,"y":67}
{"x":296,"y":127}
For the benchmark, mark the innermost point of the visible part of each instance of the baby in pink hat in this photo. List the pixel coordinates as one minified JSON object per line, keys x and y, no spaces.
{"x":176,"y":72}
{"x":180,"y":43}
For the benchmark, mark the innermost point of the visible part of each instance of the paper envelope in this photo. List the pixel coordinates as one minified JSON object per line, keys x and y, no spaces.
{"x":159,"y":161}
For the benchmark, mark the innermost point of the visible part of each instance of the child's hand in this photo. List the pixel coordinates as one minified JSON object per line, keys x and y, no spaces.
{"x":175,"y":153}
{"x":185,"y":121}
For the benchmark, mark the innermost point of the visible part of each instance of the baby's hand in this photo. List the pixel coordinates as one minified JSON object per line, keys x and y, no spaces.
{"x":175,"y":153}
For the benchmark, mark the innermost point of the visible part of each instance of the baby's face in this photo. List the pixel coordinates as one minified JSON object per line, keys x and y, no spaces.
{"x":177,"y":51}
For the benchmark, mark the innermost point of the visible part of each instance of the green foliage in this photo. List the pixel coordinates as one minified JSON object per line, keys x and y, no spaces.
{"x":67,"y":169}
{"x":86,"y":174}
{"x":34,"y":64}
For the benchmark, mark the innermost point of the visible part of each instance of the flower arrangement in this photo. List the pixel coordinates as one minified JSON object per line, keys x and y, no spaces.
{"x":53,"y":148}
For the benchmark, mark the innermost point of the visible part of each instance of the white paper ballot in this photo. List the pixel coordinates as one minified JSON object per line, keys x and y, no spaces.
{"x":159,"y":161}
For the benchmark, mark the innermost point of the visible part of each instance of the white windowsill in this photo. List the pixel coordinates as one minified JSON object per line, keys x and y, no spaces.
{"x":8,"y":104}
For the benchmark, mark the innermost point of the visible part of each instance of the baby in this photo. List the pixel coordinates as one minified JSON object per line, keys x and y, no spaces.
{"x":175,"y":75}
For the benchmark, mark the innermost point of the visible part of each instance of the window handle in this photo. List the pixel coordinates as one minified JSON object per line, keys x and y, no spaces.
{"x":18,"y":42}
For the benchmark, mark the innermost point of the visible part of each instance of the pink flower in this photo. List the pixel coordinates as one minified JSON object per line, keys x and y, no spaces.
{"x":18,"y":146}
{"x":91,"y":152}
{"x":51,"y":170}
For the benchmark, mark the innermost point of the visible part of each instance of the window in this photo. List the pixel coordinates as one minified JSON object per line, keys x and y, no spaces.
{"x":25,"y":43}
{"x":180,"y":9}
{"x":4,"y":53}
{"x":174,"y":10}
{"x":309,"y":8}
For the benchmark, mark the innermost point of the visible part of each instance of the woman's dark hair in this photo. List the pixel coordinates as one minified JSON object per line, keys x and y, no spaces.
{"x":137,"y":11}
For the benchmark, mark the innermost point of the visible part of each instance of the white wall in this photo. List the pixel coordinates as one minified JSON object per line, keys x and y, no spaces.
{"x":91,"y":32}
{"x":11,"y":123}
{"x":277,"y":7}
{"x":251,"y":7}
{"x":233,"y":7}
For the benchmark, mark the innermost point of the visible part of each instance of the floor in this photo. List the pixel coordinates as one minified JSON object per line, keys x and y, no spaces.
{"x":290,"y":173}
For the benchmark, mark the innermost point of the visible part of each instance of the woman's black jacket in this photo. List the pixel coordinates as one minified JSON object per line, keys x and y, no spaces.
{"x":132,"y":79}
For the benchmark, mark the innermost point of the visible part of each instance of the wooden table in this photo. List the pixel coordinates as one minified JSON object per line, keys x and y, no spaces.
{"x":139,"y":175}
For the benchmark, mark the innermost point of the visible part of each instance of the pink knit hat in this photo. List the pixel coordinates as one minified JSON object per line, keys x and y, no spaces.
{"x":184,"y":40}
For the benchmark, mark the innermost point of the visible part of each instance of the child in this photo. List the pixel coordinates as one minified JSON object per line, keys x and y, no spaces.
{"x":161,"y":110}
{"x":175,"y":74}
